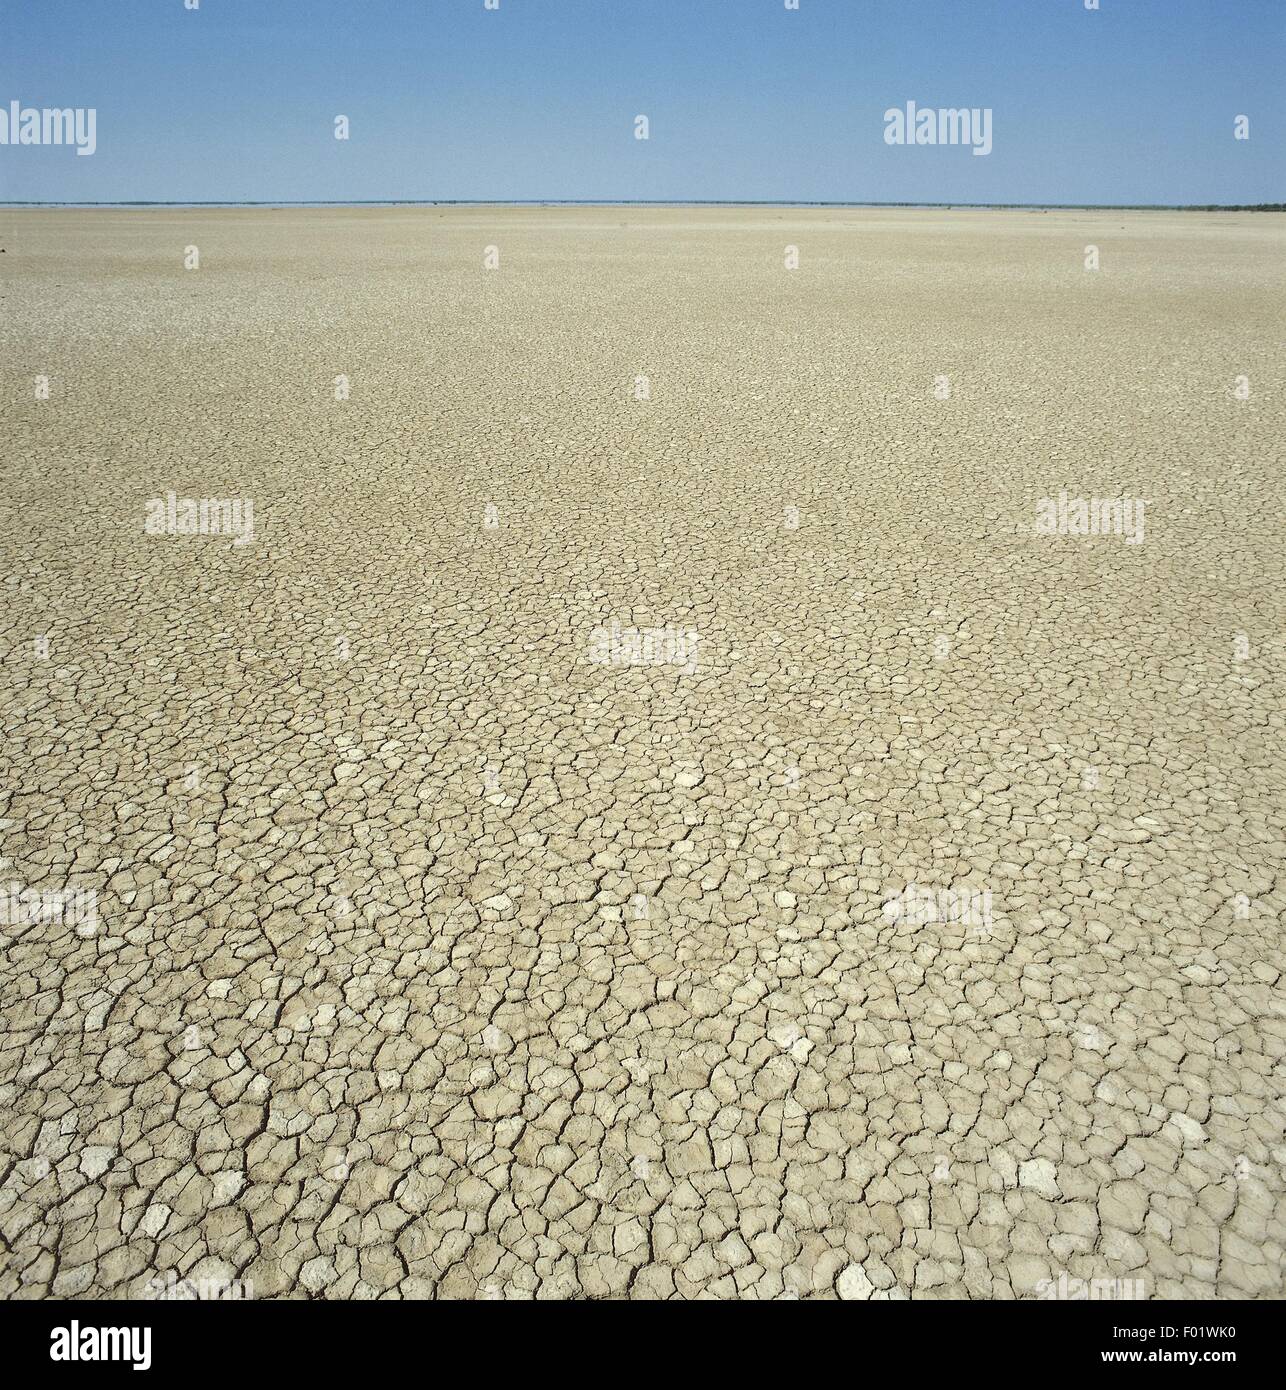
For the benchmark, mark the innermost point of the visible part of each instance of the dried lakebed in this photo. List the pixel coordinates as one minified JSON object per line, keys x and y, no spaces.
{"x":655,"y":805}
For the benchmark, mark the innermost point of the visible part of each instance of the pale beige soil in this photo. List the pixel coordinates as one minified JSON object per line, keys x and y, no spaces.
{"x":469,"y":967}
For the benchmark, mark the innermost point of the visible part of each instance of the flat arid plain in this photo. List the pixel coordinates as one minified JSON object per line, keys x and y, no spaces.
{"x":619,"y":793}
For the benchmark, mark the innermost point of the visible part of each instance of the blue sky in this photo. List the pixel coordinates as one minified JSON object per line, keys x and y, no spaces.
{"x":1132,"y":103}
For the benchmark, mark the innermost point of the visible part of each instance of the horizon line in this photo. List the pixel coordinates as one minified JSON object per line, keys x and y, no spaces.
{"x":625,"y":202}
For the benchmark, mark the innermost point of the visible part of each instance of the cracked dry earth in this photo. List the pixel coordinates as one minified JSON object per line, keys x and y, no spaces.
{"x":433,"y":958}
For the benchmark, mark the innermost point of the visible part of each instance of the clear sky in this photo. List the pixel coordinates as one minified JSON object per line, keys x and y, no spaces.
{"x":1132,"y":103}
